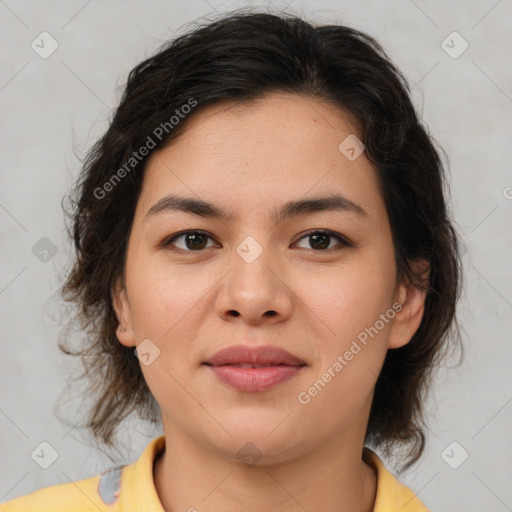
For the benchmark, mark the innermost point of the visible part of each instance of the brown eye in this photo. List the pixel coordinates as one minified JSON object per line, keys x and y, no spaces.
{"x":321,"y":240}
{"x":192,"y":241}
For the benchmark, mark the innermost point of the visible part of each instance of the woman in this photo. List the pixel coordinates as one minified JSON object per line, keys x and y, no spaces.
{"x":265,"y":260}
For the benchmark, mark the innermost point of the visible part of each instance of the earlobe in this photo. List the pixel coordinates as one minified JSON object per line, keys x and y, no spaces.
{"x":121,"y":307}
{"x":412,"y":300}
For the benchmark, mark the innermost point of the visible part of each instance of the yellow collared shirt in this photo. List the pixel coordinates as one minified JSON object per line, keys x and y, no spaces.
{"x":131,"y":489}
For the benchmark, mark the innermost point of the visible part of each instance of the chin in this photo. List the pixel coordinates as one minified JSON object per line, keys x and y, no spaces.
{"x":260,"y":443}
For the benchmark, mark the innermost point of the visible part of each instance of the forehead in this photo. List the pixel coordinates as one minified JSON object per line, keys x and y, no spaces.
{"x":277,"y":121}
{"x":264,"y":152}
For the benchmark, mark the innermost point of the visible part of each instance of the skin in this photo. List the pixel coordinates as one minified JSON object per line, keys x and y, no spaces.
{"x":249,"y":159}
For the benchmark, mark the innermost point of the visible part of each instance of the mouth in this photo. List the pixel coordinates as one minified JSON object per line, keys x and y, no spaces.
{"x":254,"y":369}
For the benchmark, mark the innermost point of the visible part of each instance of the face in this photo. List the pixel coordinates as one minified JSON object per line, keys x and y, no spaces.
{"x":319,"y":282}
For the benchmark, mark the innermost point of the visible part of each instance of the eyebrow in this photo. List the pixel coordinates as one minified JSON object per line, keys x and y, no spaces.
{"x":334,"y":202}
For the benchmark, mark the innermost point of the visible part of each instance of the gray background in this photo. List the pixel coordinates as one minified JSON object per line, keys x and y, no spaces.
{"x":54,"y":107}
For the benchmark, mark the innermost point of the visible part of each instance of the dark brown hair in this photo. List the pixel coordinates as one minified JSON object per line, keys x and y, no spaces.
{"x":240,"y":57}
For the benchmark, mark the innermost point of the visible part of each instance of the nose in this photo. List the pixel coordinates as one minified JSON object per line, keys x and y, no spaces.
{"x":255,"y":291}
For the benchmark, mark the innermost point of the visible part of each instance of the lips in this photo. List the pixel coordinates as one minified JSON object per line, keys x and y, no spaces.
{"x":244,"y":356}
{"x":254,"y":369}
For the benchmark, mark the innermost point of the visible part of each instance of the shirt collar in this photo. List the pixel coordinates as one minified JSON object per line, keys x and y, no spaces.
{"x":138,"y":489}
{"x":392,"y":495}
{"x":137,"y":485}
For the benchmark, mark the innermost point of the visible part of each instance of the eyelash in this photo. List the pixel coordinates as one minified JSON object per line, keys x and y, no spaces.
{"x":344,"y":242}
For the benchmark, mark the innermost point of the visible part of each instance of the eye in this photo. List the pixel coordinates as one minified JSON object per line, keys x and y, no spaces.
{"x":320,"y":239}
{"x":193,"y":240}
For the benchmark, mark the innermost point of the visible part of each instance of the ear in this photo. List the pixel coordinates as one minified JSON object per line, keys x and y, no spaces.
{"x":121,"y":307}
{"x":407,"y":320}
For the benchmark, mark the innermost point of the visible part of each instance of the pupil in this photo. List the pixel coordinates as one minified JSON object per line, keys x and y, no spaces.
{"x":325,"y":237}
{"x":194,"y":238}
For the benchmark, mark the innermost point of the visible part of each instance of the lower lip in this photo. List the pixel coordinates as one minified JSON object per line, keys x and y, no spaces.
{"x":254,"y":379}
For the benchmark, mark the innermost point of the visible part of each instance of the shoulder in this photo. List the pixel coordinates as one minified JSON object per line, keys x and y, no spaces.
{"x":91,"y":494}
{"x":391,"y":493}
{"x":128,"y":487}
{"x":72,"y":496}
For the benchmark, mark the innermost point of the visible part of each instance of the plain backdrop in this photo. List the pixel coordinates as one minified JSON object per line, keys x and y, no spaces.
{"x":54,"y":106}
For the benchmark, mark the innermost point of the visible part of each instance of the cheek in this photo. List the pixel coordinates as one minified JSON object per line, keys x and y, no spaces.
{"x":169,"y":306}
{"x":350,"y":356}
{"x":165,"y":300}
{"x":350,"y":296}
{"x":353,"y":310}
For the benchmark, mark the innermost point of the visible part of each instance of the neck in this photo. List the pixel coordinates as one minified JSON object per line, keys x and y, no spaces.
{"x":331,"y":477}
